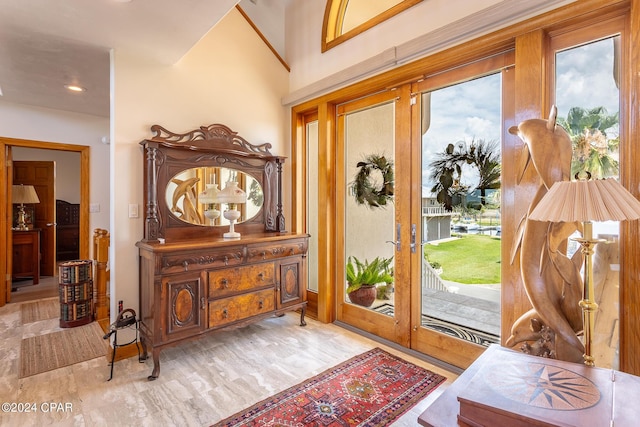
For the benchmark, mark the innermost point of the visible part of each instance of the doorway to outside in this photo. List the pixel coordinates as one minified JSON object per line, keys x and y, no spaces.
{"x":419,"y":191}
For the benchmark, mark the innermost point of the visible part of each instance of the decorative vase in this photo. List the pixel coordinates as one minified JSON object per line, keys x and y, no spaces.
{"x":364,"y":296}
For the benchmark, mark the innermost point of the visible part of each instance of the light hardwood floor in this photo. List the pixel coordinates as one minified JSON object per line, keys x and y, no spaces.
{"x":201,"y":382}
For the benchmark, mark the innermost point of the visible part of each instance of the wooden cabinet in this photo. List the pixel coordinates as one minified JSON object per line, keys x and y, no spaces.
{"x":194,"y":287}
{"x":26,"y":255}
{"x":193,"y":280}
{"x":67,"y":230}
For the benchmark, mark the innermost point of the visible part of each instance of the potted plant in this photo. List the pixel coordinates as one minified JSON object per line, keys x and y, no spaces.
{"x":362,"y":278}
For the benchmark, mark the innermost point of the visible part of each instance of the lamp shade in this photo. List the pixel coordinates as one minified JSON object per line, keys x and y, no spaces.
{"x":587,"y":200}
{"x":209,"y":195}
{"x":24,"y":194}
{"x":232,"y":194}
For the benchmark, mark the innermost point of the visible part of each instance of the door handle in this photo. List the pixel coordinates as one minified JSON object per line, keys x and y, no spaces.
{"x":413,"y":238}
{"x":397,"y":241}
{"x":51,"y":224}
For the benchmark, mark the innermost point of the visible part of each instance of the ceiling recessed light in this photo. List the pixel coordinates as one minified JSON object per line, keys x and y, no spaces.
{"x":75,"y":88}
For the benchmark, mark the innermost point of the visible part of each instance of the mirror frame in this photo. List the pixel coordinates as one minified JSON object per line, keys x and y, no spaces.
{"x":167,"y":153}
{"x":334,"y":13}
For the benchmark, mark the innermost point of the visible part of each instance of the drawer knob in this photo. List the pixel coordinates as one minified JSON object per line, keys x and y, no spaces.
{"x":264,"y":255}
{"x":261,"y":304}
{"x":225,"y":314}
{"x":224,"y":283}
{"x":202,"y":303}
{"x":185,"y":265}
{"x":261,"y":277}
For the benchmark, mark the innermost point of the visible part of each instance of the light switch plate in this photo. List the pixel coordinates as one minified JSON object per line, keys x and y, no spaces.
{"x":133,"y":210}
{"x":94,"y":207}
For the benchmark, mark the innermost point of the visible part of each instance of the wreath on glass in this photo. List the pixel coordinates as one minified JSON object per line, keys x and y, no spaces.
{"x":363,"y":187}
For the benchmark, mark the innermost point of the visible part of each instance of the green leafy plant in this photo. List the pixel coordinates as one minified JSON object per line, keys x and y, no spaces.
{"x":368,"y":273}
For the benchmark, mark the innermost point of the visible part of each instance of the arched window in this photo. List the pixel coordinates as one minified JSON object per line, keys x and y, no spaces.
{"x":344,"y":19}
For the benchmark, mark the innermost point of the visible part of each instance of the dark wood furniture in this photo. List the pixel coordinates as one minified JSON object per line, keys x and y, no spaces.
{"x":506,"y":388}
{"x":193,"y":281}
{"x":75,"y":285}
{"x":26,"y":255}
{"x":67,"y":230}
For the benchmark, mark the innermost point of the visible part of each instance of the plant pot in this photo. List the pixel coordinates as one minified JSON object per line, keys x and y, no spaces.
{"x":364,"y":296}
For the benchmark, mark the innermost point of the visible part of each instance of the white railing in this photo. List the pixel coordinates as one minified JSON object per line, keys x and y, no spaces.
{"x":431,"y":279}
{"x":435,"y":211}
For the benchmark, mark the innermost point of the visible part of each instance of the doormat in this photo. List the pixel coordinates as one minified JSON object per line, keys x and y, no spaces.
{"x":449,"y":328}
{"x":43,"y":309}
{"x":372,"y":389}
{"x":43,"y":353}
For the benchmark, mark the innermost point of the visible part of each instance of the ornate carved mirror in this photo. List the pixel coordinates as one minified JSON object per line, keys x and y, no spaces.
{"x":191,"y":195}
{"x":186,"y":175}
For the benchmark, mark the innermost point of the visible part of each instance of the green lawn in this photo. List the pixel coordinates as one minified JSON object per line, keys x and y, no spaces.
{"x":471,"y":259}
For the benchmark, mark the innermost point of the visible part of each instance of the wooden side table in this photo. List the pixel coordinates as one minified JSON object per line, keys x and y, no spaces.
{"x":26,"y":255}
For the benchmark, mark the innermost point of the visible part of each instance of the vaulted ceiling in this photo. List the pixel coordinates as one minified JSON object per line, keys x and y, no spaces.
{"x":45,"y":44}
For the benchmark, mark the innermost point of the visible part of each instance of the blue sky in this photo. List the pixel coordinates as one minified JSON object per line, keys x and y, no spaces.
{"x":472,"y":109}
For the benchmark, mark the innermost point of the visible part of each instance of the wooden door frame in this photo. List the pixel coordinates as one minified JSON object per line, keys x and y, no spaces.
{"x":529,"y":39}
{"x":6,"y":208}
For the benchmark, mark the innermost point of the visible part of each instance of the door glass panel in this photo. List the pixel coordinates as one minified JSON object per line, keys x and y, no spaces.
{"x":588,"y":101}
{"x":460,"y":226}
{"x":369,"y":208}
{"x":311,"y":133}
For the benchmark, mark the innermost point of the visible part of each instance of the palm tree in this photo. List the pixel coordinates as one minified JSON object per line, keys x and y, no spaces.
{"x":592,"y":149}
{"x":487,"y":159}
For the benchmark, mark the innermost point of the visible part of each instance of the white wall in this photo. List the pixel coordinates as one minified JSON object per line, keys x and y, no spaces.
{"x":229,"y":77}
{"x":423,"y":29}
{"x":44,"y":124}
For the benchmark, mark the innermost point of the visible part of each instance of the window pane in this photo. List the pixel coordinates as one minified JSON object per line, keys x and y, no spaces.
{"x":588,"y":101}
{"x":461,"y":128}
{"x":312,"y":203}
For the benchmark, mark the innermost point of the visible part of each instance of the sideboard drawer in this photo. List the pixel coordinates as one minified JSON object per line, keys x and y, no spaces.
{"x":229,"y":310}
{"x":233,"y":280}
{"x":182,"y":262}
{"x":276,"y":250}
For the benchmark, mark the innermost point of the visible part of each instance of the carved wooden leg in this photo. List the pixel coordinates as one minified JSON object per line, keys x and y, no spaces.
{"x":302,"y":313}
{"x":143,"y":341}
{"x":156,"y":365}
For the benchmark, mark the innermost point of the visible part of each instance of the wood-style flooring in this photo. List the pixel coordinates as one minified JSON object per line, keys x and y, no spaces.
{"x":201,"y":382}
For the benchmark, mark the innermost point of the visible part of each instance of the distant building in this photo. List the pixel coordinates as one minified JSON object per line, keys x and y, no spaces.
{"x":436,"y":221}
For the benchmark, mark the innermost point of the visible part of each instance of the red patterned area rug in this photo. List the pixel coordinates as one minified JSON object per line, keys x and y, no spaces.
{"x":372,"y":389}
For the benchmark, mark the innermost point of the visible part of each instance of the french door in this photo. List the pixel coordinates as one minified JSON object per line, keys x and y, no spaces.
{"x":398,"y":218}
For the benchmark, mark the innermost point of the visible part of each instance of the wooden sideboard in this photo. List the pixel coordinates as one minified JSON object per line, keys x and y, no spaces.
{"x":26,"y":255}
{"x":190,"y":288}
{"x":195,"y":278}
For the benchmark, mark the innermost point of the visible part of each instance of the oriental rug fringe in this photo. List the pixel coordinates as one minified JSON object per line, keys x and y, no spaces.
{"x":372,"y":389}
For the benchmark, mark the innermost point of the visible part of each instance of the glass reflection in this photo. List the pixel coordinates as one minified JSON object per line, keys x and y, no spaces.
{"x":192,"y":195}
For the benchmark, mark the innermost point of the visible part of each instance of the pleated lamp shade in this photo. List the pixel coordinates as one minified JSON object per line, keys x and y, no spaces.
{"x":587,"y":200}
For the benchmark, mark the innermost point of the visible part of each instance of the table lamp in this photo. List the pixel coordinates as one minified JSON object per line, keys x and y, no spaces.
{"x":21,"y":194}
{"x":232,"y":195}
{"x":587,"y":201}
{"x":209,"y":197}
